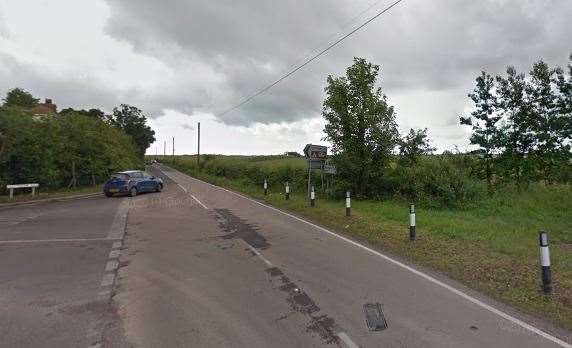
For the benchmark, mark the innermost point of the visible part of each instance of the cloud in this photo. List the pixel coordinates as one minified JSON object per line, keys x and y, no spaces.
{"x":197,"y":58}
{"x":432,"y":46}
{"x":188,"y":126}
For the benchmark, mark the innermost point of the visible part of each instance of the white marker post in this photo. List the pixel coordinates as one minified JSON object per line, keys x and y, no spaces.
{"x":545,"y":262}
{"x":348,"y":204}
{"x":287,"y":191}
{"x":265,"y":187}
{"x":312,"y":197}
{"x":412,"y":222}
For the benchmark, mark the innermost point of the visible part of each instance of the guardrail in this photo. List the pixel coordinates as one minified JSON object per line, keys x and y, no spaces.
{"x":12,"y":187}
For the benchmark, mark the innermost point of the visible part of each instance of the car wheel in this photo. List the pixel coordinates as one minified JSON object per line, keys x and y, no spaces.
{"x":159,"y":188}
{"x":133,"y":191}
{"x":108,"y":194}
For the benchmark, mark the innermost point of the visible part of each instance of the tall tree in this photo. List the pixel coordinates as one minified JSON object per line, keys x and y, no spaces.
{"x":483,"y":121}
{"x":21,"y":98}
{"x":516,"y":135}
{"x":360,"y":124}
{"x":413,"y":145}
{"x":132,"y":121}
{"x":549,"y":120}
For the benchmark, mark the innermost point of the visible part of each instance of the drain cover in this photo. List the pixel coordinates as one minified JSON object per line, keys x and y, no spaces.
{"x":374,"y":317}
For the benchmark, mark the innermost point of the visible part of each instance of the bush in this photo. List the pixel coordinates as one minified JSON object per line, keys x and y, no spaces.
{"x":43,"y":150}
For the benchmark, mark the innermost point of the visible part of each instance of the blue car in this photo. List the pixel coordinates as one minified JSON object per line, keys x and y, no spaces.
{"x":131,"y":183}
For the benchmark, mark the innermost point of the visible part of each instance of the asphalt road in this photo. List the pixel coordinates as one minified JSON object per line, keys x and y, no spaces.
{"x":200,"y":266}
{"x":205,"y":267}
{"x":52,"y":262}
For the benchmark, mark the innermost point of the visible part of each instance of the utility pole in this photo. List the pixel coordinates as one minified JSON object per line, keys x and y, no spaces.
{"x":164,"y":148}
{"x":173,"y":150}
{"x":199,"y":146}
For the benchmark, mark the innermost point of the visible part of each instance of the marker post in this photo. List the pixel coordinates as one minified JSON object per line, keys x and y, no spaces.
{"x":287,"y":191}
{"x":412,"y":234}
{"x":348,"y":204}
{"x":265,"y":187}
{"x":545,"y":262}
{"x":312,"y":197}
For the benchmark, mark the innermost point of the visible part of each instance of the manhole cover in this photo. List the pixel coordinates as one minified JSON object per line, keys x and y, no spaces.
{"x":374,"y":317}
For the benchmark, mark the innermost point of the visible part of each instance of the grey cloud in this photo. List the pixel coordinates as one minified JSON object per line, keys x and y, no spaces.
{"x":77,"y":92}
{"x":188,"y":126}
{"x":439,"y":45}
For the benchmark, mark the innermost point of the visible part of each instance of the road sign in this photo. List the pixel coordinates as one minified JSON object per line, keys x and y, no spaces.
{"x":316,"y":152}
{"x":315,"y":164}
{"x":329,"y":169}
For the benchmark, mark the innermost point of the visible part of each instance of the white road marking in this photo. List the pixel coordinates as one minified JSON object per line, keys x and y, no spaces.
{"x":347,"y":340}
{"x":117,"y":229}
{"x":116,"y":245}
{"x":111,"y":266}
{"x":253,"y":249}
{"x":413,"y":270}
{"x":181,"y":186}
{"x":113,"y":254}
{"x":79,"y":240}
{"x":201,"y":203}
{"x":107,"y":279}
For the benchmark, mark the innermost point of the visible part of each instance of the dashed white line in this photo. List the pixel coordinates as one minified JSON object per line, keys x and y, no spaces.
{"x":113,"y":254}
{"x":413,"y":270}
{"x":107,"y":279}
{"x":253,"y":249}
{"x":201,"y":203}
{"x":111,"y":266}
{"x":181,"y":186}
{"x":347,"y":340}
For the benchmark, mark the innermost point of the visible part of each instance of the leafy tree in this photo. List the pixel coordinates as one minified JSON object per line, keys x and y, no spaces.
{"x":413,"y":145}
{"x":91,"y":112}
{"x":516,"y":135}
{"x":21,"y":98}
{"x":483,"y":121}
{"x":549,"y":120}
{"x":360,"y":124}
{"x":132,"y":121}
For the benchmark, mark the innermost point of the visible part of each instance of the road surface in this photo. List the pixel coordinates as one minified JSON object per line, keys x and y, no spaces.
{"x":200,"y":266}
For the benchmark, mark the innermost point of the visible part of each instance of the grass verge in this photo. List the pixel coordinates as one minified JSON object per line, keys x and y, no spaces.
{"x":492,"y":248}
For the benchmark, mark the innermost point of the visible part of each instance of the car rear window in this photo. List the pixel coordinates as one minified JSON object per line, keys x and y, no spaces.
{"x":119,"y":176}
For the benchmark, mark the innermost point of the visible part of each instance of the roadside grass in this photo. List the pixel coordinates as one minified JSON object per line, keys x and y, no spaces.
{"x":25,"y":196}
{"x":492,"y":247}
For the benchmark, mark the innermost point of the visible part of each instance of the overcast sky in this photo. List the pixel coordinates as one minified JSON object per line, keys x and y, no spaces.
{"x":184,"y":61}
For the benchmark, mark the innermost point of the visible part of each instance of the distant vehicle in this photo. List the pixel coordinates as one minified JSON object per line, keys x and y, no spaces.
{"x":132,"y":183}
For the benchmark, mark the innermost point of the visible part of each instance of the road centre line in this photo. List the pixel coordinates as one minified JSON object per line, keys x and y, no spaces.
{"x":201,"y":203}
{"x":433,"y":280}
{"x":342,"y":335}
{"x":347,"y":340}
{"x":181,"y":186}
{"x":253,"y":249}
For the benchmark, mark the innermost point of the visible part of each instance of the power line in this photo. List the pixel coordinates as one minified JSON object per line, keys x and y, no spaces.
{"x":316,"y":56}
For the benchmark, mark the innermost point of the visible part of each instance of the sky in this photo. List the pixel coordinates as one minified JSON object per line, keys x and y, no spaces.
{"x":187,"y":61}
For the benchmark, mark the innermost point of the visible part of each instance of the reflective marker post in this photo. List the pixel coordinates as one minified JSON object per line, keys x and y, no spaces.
{"x":545,"y":262}
{"x":265,"y":187}
{"x":412,"y":222}
{"x":312,"y":197}
{"x":348,"y":204}
{"x":287,"y":191}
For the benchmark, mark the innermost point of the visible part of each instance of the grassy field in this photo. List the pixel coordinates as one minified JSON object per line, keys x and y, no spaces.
{"x":21,"y":196}
{"x":491,"y":247}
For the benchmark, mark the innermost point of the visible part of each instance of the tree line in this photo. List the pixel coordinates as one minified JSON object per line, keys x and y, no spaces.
{"x":521,"y":131}
{"x":70,"y":148}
